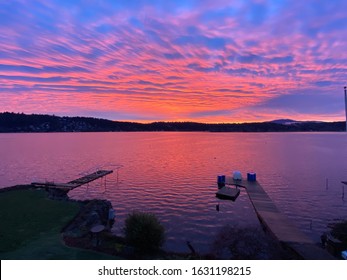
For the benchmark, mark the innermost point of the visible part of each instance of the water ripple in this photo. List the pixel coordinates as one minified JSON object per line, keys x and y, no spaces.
{"x":173,"y":175}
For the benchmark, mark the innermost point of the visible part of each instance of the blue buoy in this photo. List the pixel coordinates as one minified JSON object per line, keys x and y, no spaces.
{"x":252,"y":177}
{"x":221,"y":181}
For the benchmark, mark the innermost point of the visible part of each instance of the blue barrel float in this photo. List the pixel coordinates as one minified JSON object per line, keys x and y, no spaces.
{"x":251,"y":176}
{"x":221,"y":181}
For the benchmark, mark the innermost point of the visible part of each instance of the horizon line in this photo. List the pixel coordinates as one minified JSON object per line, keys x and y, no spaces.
{"x":169,"y":121}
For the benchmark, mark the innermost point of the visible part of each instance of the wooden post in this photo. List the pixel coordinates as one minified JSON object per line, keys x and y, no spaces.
{"x":343,"y":192}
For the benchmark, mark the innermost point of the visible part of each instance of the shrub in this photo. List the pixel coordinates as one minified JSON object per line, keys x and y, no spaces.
{"x":339,"y":230}
{"x":144,"y":232}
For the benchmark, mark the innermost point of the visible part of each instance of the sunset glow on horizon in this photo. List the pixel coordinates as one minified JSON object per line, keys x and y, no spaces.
{"x":186,"y":60}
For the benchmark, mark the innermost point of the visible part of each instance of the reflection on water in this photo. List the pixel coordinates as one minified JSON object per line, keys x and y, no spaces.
{"x":174,"y":175}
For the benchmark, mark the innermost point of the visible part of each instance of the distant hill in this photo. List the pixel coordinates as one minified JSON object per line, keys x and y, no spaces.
{"x":291,"y":122}
{"x":15,"y":122}
{"x":284,"y":121}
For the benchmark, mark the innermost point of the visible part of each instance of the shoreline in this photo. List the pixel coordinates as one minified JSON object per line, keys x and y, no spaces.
{"x":76,"y":233}
{"x":110,"y":244}
{"x":15,"y":122}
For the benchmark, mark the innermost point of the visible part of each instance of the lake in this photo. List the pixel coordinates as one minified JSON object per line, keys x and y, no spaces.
{"x":173,"y":175}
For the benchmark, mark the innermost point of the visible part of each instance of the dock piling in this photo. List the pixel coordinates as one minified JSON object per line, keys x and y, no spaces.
{"x":217,"y":207}
{"x":343,"y":192}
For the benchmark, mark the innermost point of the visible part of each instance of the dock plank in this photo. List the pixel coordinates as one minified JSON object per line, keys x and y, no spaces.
{"x":90,"y":177}
{"x":278,"y":224}
{"x":74,"y":183}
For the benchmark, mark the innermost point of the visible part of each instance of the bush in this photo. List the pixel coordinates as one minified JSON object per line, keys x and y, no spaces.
{"x":144,"y":232}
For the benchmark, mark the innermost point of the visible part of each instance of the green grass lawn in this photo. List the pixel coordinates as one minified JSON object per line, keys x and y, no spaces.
{"x":30,"y":226}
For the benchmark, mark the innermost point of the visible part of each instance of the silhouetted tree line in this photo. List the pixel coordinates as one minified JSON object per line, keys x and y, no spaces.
{"x":16,"y":122}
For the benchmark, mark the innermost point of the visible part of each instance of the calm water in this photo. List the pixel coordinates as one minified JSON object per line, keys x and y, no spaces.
{"x":174,"y":175}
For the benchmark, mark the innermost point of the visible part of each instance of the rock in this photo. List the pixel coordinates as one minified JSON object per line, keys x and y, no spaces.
{"x":93,"y":212}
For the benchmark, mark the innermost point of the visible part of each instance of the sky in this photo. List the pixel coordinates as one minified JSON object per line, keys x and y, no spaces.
{"x":183,"y":60}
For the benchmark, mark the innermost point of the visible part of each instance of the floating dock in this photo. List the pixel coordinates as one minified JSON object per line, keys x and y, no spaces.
{"x":75,"y":183}
{"x":227,"y":192}
{"x":278,"y":224}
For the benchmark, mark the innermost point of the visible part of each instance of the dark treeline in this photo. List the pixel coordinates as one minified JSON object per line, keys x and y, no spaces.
{"x":14,"y":122}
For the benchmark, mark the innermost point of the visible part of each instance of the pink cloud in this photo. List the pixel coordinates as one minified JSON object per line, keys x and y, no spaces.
{"x":124,"y":61}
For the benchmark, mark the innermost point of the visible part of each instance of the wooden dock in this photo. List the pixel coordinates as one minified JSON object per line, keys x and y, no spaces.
{"x":74,"y":183}
{"x":278,"y":224}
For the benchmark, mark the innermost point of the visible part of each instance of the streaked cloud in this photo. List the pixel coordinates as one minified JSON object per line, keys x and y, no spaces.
{"x":213,"y":61}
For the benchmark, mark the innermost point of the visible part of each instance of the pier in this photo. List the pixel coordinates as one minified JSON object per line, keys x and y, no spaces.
{"x":279,"y":225}
{"x":66,"y":187}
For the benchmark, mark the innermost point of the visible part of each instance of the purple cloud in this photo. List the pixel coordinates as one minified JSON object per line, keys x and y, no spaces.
{"x":174,"y":59}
